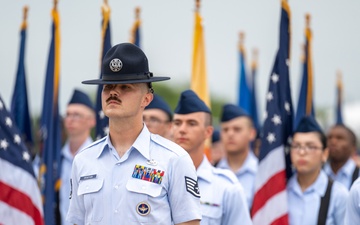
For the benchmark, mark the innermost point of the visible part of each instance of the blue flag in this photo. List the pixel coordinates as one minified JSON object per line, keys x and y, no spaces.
{"x":51,"y":127}
{"x":339,"y":90}
{"x":305,"y":104}
{"x":19,"y":101}
{"x":244,"y":89}
{"x":253,"y":100}
{"x":274,"y":160}
{"x":102,"y":122}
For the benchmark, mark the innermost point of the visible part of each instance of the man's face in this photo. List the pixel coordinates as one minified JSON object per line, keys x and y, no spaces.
{"x":236,"y":134}
{"x":79,"y":119}
{"x":190,"y":130}
{"x":307,"y":153}
{"x":339,"y":144}
{"x":124,"y":100}
{"x":157,"y":121}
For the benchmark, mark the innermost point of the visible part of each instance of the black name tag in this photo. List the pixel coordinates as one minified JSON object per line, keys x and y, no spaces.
{"x":93,"y":176}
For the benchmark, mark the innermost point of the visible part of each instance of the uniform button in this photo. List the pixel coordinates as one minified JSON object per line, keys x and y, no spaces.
{"x":116,"y":187}
{"x":116,"y":211}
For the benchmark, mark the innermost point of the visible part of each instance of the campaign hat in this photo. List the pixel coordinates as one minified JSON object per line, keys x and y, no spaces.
{"x":125,"y":63}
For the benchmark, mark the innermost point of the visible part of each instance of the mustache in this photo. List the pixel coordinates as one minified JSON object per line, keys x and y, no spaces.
{"x":113,"y":98}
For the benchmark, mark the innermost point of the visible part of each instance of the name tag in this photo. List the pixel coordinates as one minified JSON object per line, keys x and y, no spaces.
{"x":88,"y":177}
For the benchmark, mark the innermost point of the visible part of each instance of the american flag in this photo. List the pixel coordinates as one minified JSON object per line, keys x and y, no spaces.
{"x":270,"y":200}
{"x":20,"y":199}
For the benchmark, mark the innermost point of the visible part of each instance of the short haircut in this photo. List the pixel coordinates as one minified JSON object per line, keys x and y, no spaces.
{"x":208,"y":119}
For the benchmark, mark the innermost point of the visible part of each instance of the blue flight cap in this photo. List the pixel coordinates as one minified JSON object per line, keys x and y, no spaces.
{"x":159,"y":103}
{"x":308,"y":124}
{"x":231,"y":111}
{"x":80,"y":97}
{"x":215,"y":136}
{"x":189,"y":102}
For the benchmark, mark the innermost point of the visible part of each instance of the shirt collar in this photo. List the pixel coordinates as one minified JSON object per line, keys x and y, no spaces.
{"x":66,"y":149}
{"x":250,"y":164}
{"x":347,"y":169}
{"x":141,"y":143}
{"x":319,"y":186}
{"x":204,"y":171}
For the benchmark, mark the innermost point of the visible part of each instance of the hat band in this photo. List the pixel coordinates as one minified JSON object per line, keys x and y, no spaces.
{"x":126,"y":77}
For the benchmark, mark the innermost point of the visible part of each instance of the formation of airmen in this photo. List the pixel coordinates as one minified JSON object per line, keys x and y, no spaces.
{"x":152,"y":169}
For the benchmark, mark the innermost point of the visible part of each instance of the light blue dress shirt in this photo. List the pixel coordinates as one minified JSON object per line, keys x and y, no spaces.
{"x":246,"y":174}
{"x":304,"y":206}
{"x":223,"y":199}
{"x":344,"y":175}
{"x":107,"y":189}
{"x":66,"y":164}
{"x":352,"y":214}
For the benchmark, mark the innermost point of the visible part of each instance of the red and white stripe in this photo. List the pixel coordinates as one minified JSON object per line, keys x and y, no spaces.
{"x":20,"y":199}
{"x":270,"y":200}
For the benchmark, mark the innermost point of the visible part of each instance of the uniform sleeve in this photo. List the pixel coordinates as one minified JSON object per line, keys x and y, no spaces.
{"x":236,"y":210}
{"x":76,"y":213}
{"x":183,"y":190}
{"x":352,"y":214}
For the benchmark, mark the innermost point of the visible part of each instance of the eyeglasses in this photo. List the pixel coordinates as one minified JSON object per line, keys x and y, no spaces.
{"x":154,"y":120}
{"x":74,"y":116}
{"x":307,"y":148}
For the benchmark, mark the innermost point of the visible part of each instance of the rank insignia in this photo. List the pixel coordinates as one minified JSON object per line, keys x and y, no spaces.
{"x":143,"y":208}
{"x":148,"y":174}
{"x":192,"y":186}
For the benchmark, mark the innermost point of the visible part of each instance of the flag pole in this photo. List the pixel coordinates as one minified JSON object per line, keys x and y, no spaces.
{"x":134,"y":32}
{"x":241,"y":41}
{"x":197,"y":5}
{"x":255,"y":57}
{"x":25,"y":13}
{"x":309,"y":66}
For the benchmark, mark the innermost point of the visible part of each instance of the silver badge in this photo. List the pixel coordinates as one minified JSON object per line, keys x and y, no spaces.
{"x":152,"y":162}
{"x":115,"y":65}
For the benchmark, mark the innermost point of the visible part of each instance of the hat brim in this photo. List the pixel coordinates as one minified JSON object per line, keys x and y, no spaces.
{"x":150,"y":80}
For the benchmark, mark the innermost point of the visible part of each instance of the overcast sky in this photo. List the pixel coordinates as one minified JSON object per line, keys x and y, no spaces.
{"x":167,"y":30}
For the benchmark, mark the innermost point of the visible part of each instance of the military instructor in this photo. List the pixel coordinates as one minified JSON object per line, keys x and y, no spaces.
{"x":131,"y":176}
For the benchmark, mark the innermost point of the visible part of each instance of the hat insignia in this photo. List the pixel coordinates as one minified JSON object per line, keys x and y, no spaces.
{"x":115,"y":65}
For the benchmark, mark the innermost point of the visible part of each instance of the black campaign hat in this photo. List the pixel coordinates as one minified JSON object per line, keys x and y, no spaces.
{"x":125,"y":63}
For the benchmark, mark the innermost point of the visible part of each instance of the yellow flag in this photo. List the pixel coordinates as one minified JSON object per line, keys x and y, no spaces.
{"x":198,"y":76}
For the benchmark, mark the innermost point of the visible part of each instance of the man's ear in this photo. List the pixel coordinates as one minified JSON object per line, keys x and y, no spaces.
{"x":209,"y":131}
{"x":147,"y":99}
{"x":325,"y":155}
{"x":252,"y":134}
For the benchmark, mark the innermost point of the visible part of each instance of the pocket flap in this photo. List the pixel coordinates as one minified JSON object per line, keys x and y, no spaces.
{"x":211,"y":210}
{"x":144,"y":187}
{"x":90,"y":186}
